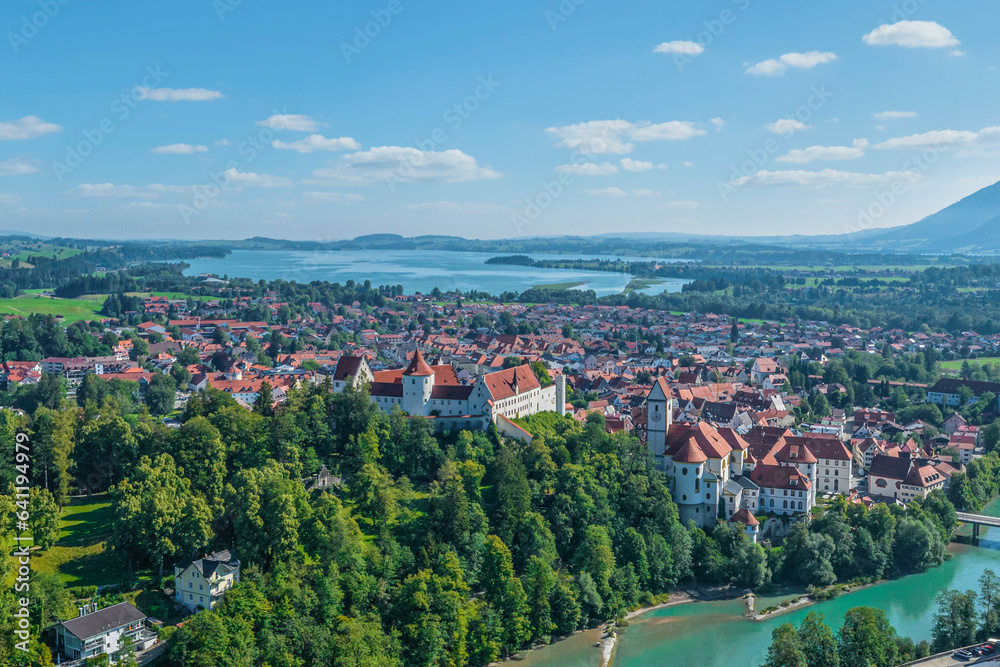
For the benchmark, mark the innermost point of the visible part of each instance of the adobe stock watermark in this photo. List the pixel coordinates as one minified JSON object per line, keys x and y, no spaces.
{"x":550,"y":190}
{"x":758,"y":158}
{"x":454,"y":117}
{"x":224,"y":7}
{"x":34,"y":23}
{"x":366,"y":33}
{"x":22,"y":554}
{"x":121,"y":108}
{"x":903,"y":11}
{"x":248,"y":150}
{"x":883,"y":200}
{"x":559,"y":15}
{"x":713,"y":30}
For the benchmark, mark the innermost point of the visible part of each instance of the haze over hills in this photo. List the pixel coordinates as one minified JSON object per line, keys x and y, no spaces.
{"x":969,"y":226}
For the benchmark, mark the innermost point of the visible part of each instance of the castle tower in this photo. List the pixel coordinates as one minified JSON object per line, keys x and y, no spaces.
{"x":418,"y":384}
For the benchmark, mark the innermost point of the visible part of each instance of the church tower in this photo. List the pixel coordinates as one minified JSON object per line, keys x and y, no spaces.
{"x":659,"y":416}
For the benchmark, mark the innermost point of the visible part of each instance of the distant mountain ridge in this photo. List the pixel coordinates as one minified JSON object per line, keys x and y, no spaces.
{"x":969,"y":225}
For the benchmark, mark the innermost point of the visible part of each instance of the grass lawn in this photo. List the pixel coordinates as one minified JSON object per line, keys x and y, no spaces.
{"x":22,"y":252}
{"x":74,"y":310}
{"x":173,"y":295}
{"x":566,"y":285}
{"x":78,"y":557}
{"x":642,"y":283}
{"x":956,"y":365}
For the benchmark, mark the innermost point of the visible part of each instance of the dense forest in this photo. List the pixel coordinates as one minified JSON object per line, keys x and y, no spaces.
{"x":455,"y":548}
{"x":42,"y":271}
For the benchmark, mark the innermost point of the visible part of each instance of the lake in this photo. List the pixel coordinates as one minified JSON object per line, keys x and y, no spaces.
{"x":714,"y":634}
{"x":416,"y":270}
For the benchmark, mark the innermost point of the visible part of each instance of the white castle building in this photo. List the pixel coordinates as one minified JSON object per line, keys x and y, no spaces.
{"x":711,"y":470}
{"x":422,"y":390}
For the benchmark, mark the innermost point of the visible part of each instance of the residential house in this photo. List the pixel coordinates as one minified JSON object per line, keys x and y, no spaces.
{"x":103,"y":632}
{"x":200,"y":583}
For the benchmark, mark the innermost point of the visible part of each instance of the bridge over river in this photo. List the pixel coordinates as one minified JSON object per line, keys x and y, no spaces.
{"x":977,"y":520}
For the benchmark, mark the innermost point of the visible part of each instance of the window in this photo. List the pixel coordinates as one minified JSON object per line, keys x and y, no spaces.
{"x":191,"y":585}
{"x":190,"y":596}
{"x":201,"y":587}
{"x":786,"y":505}
{"x":684,"y":471}
{"x":800,"y":504}
{"x":881,"y":483}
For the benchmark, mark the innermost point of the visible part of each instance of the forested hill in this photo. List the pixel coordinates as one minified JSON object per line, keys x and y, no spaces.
{"x":44,"y":270}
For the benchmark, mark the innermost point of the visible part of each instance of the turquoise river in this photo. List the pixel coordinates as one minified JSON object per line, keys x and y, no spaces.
{"x":715,"y":634}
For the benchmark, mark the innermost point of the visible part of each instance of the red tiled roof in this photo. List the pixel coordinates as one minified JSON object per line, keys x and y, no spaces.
{"x":501,"y":383}
{"x":418,"y":366}
{"x":689,"y":452}
{"x":779,"y":477}
{"x":744,"y":516}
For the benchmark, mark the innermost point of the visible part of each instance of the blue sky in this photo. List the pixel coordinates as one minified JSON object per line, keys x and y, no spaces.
{"x":229,"y":118}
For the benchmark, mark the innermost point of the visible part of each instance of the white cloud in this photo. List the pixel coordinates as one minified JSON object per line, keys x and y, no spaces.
{"x":643,"y":192}
{"x":28,"y":127}
{"x":317,"y":142}
{"x":222,"y":142}
{"x":599,"y":137}
{"x":402,"y":164}
{"x":718,"y":123}
{"x":180,"y":149}
{"x":681,"y":47}
{"x":675,"y":130}
{"x":893,"y":115}
{"x":786,"y":126}
{"x":15,"y":167}
{"x":145,"y":205}
{"x":111,"y":191}
{"x":912,"y":35}
{"x":608,"y":192}
{"x":587,"y":169}
{"x":943,"y":139}
{"x":825,"y":178}
{"x":683,"y":203}
{"x":628,"y":164}
{"x":334,"y":197}
{"x":825,"y":153}
{"x":248,"y":178}
{"x":179,"y":94}
{"x":10,"y":200}
{"x":460,"y":208}
{"x":293,"y":122}
{"x":778,"y":66}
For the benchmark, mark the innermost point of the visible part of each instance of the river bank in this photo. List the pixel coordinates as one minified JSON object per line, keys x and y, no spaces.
{"x":691,"y":633}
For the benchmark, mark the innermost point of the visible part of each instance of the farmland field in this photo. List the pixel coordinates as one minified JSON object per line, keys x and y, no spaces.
{"x":74,"y":310}
{"x":956,"y":365}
